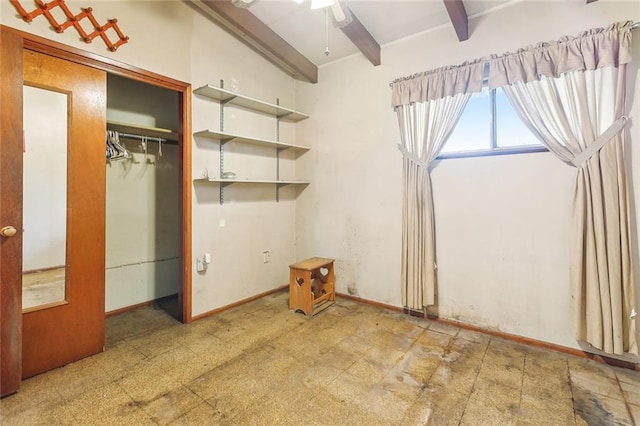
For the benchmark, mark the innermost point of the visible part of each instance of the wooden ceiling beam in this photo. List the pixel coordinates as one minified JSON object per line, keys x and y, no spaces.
{"x":362,"y":38}
{"x":249,"y":29}
{"x":459,"y":19}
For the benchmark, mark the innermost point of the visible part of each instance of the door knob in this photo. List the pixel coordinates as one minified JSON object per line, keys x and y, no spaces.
{"x":8,"y":231}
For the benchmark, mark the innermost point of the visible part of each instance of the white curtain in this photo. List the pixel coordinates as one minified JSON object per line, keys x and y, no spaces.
{"x":571,"y":94}
{"x":428,"y":107}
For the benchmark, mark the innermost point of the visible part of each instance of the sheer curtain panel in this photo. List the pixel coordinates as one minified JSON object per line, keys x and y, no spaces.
{"x":571,"y":95}
{"x":428,"y":106}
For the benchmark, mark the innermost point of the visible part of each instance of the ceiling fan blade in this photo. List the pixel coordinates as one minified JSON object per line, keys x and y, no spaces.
{"x":243,"y":4}
{"x":340,"y":14}
{"x":320,"y":4}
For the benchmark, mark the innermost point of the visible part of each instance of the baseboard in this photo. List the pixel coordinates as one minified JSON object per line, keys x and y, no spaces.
{"x":507,"y":336}
{"x":238,"y":303}
{"x":136,"y":306}
{"x":542,"y":344}
{"x":369,"y":302}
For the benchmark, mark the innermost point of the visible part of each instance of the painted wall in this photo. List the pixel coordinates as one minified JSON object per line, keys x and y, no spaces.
{"x":159,"y":31}
{"x":142,"y":229}
{"x":171,"y":38}
{"x":502,"y":222}
{"x":130,"y":101}
{"x":253,"y":221}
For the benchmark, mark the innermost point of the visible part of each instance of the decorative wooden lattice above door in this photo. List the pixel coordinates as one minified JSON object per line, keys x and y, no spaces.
{"x":72,"y":20}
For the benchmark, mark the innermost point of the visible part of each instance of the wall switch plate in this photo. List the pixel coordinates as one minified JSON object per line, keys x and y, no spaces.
{"x":222,"y":223}
{"x":266,"y":258}
{"x":207,"y":258}
{"x":200,"y":265}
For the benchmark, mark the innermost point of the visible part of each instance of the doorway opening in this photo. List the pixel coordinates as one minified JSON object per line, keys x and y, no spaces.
{"x":143,"y":196}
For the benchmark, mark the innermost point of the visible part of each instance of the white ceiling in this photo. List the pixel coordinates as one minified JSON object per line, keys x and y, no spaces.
{"x":386,"y":20}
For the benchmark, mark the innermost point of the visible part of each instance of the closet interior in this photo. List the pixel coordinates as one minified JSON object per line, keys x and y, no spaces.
{"x":143,"y":196}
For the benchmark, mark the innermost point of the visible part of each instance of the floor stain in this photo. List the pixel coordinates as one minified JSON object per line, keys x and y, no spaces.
{"x":261,"y":364}
{"x":352,"y":289}
{"x":589,"y":407}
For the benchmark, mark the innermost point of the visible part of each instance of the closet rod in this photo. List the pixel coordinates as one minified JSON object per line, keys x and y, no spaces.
{"x":148,"y":138}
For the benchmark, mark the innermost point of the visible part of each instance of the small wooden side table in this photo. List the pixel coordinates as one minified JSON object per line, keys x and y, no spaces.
{"x":311,"y":285}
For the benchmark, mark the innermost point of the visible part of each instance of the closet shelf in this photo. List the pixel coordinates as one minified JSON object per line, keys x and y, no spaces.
{"x":154,"y":132}
{"x":227,"y":96}
{"x":279,"y":183}
{"x":224,"y":137}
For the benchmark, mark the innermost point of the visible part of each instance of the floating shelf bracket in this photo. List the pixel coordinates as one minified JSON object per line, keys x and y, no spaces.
{"x":222,"y":104}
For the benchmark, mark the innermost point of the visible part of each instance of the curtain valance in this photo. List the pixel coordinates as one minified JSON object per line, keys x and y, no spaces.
{"x":592,"y":49}
{"x":438,"y":83}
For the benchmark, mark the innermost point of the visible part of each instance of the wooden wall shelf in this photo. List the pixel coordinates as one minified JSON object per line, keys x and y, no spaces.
{"x":154,"y":132}
{"x":280,"y":113}
{"x":279,"y":183}
{"x":223,"y":138}
{"x":233,"y":98}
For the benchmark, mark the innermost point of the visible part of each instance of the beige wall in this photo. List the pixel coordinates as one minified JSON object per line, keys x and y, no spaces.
{"x":142,"y":226}
{"x":502,"y":222}
{"x":171,"y":38}
{"x":254,"y":222}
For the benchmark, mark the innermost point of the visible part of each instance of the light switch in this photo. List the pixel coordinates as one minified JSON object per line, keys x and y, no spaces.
{"x":200,"y":265}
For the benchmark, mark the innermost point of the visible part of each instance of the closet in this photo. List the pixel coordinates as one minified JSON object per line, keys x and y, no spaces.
{"x":142,"y":196}
{"x":124,"y":217}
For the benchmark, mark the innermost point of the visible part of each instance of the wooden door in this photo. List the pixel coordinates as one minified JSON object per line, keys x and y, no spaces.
{"x":71,"y":327}
{"x":10,"y":212}
{"x":72,"y":330}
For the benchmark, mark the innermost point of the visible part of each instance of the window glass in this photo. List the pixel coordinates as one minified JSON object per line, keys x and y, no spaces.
{"x":473,"y":131}
{"x":510,"y":130}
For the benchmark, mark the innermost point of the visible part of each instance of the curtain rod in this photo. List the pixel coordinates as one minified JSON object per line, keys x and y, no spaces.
{"x":634,"y":26}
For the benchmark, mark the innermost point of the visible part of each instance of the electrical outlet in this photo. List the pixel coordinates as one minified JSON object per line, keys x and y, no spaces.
{"x":266,"y":258}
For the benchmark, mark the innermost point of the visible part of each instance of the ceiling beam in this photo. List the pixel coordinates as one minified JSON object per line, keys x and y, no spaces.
{"x":458,"y":16}
{"x":358,"y":34}
{"x":249,"y":29}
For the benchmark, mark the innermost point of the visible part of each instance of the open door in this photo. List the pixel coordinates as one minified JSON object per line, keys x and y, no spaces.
{"x":10,"y":212}
{"x":60,"y":220}
{"x":64,"y":115}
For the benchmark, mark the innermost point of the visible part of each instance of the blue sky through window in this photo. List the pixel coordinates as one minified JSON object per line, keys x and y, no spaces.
{"x":473,"y":131}
{"x":511,"y":131}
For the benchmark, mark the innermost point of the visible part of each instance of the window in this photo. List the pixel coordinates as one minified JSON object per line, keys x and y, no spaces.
{"x":488,"y":126}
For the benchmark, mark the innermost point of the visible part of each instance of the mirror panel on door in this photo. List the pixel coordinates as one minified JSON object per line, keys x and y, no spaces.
{"x":45,"y":198}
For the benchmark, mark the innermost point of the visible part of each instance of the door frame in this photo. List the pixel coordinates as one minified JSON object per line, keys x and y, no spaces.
{"x":12,"y":43}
